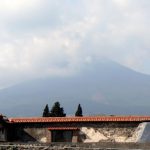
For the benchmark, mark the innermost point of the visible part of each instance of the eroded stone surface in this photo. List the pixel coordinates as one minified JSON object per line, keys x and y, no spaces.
{"x":113,"y":133}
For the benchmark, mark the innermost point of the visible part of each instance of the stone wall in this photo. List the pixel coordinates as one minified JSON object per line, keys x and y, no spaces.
{"x":109,"y":132}
{"x":42,"y":135}
{"x":88,"y":132}
{"x":3,"y":134}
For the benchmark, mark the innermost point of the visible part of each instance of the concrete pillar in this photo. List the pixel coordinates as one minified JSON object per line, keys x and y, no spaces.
{"x":50,"y":137}
{"x":75,"y":136}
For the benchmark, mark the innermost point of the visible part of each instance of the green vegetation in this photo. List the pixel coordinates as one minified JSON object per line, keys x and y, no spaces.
{"x":46,"y":111}
{"x":79,"y":111}
{"x":57,"y":111}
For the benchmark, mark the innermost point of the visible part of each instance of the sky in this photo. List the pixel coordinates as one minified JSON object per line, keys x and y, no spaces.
{"x":40,"y":38}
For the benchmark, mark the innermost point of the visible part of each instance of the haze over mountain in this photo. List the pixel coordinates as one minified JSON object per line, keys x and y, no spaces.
{"x":100,"y":88}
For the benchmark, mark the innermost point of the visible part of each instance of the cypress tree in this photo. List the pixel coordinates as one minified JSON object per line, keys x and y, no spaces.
{"x":46,"y":111}
{"x":79,"y":111}
{"x":62,"y":114}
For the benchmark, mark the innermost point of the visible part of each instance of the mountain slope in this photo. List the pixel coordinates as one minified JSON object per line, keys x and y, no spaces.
{"x":101,"y":88}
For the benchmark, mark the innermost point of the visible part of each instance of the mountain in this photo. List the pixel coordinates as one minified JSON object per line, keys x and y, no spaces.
{"x":100,"y":88}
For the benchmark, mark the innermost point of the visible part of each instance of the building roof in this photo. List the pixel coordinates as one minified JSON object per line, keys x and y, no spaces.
{"x":80,"y":119}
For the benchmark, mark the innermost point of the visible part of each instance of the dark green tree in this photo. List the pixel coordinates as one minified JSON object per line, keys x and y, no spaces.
{"x":46,"y":111}
{"x":57,"y":111}
{"x":62,"y":114}
{"x":79,"y":111}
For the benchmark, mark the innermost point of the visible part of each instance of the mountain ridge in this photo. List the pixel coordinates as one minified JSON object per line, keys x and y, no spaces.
{"x":106,"y":87}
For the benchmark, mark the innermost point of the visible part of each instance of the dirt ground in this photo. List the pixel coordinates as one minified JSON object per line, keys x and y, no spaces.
{"x":72,"y":146}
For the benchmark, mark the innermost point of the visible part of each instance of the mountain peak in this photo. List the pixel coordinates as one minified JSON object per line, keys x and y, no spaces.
{"x":100,"y":86}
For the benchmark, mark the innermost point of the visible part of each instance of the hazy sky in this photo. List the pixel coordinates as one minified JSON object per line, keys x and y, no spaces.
{"x":55,"y":37}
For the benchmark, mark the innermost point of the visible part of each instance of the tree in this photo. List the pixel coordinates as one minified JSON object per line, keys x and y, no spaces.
{"x":46,"y":111}
{"x":57,"y":111}
{"x":62,"y":114}
{"x":79,"y":111}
